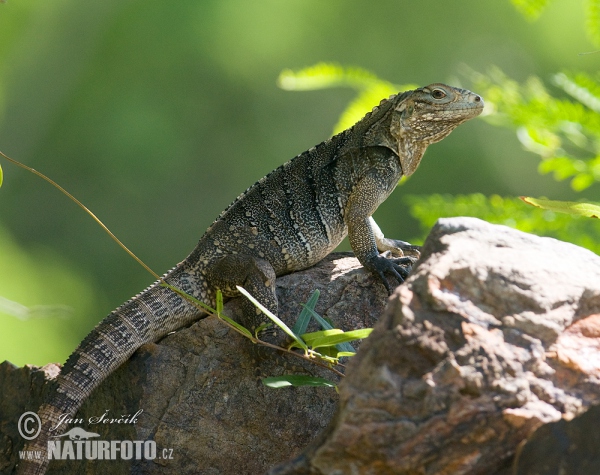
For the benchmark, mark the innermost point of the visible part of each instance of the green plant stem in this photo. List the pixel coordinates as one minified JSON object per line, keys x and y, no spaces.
{"x":139,"y":261}
{"x":284,"y":350}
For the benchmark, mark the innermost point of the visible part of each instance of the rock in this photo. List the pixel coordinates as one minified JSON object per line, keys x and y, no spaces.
{"x":200,"y":390}
{"x":565,"y":447}
{"x":494,"y":335}
{"x":491,"y":345}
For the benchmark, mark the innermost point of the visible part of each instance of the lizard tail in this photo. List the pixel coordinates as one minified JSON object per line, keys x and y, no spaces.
{"x":145,"y":318}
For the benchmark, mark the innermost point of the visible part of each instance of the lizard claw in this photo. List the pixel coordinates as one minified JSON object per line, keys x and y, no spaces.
{"x":381,"y":266}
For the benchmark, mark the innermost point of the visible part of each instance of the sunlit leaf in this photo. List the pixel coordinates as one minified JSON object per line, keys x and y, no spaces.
{"x":593,"y":21}
{"x":509,"y":211}
{"x":296,"y":380}
{"x":309,"y":338}
{"x":326,"y":75}
{"x":531,"y":9}
{"x":335,"y":338}
{"x":371,"y":88}
{"x":273,"y":317}
{"x":219,"y":300}
{"x":327,"y":326}
{"x":1,"y":176}
{"x":582,"y":181}
{"x":364,"y":103}
{"x":565,"y":133}
{"x":581,"y":87}
{"x":570,"y":207}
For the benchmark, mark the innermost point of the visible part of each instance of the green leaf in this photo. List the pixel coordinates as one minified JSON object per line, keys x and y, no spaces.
{"x":1,"y":176}
{"x":276,"y":319}
{"x":342,"y":354}
{"x":335,"y":337}
{"x":509,"y":211}
{"x":304,"y":318}
{"x":364,"y":103}
{"x":219,"y":302}
{"x":371,"y":88}
{"x":581,"y":87}
{"x":320,"y":320}
{"x":326,"y":75}
{"x":242,"y":329}
{"x":593,"y":21}
{"x":309,"y":338}
{"x":192,"y":299}
{"x":570,"y":207}
{"x":296,"y":380}
{"x":327,"y":326}
{"x":211,"y":310}
{"x":531,"y":9}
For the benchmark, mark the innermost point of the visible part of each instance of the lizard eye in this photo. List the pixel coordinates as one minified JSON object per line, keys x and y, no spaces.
{"x":438,"y":94}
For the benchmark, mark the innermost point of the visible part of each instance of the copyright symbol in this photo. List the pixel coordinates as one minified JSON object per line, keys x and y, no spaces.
{"x":29,"y":425}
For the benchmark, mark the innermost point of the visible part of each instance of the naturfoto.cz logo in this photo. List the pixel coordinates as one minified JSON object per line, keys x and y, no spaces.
{"x":79,"y":444}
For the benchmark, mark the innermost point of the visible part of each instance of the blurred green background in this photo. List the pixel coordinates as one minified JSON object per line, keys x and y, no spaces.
{"x":158,"y":114}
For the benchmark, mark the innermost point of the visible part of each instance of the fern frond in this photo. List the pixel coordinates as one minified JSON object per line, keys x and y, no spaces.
{"x":530,"y":9}
{"x":365,"y":102}
{"x":592,"y":8}
{"x":371,"y":88}
{"x":580,"y":86}
{"x":327,"y":75}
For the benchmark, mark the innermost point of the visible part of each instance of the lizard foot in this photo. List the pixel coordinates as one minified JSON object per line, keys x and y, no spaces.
{"x":399,"y":268}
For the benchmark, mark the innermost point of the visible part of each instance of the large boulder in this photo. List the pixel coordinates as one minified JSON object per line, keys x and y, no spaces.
{"x":488,"y":352}
{"x":495,"y":334}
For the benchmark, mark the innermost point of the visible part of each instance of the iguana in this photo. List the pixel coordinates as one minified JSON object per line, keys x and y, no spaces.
{"x":285,"y":222}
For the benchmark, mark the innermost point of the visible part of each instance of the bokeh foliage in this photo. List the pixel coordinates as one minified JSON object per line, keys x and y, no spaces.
{"x":564,"y":132}
{"x":157,"y":114}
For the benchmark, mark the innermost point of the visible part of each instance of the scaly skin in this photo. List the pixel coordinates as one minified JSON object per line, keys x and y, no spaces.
{"x":287,"y":221}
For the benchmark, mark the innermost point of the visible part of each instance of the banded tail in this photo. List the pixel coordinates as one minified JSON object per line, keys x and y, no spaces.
{"x":145,"y":318}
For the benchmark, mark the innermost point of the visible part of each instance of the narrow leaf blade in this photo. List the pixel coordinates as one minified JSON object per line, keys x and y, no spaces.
{"x":233,"y":323}
{"x":192,"y":299}
{"x":570,"y":207}
{"x":219,"y":302}
{"x":327,"y":326}
{"x":296,"y":380}
{"x":276,"y":319}
{"x":332,"y":340}
{"x":309,"y":338}
{"x":304,"y":318}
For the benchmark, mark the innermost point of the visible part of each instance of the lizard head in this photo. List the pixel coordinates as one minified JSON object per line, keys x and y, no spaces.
{"x":430,"y":113}
{"x":425,"y":116}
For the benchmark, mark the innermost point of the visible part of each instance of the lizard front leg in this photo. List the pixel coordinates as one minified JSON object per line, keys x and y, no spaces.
{"x":396,"y":247}
{"x":365,"y":236}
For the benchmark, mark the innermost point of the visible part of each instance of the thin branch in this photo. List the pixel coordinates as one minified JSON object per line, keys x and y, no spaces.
{"x":83,"y":207}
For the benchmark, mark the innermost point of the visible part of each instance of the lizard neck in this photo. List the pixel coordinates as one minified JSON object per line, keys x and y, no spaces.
{"x":410,"y":154}
{"x":402,"y":142}
{"x":386,"y":129}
